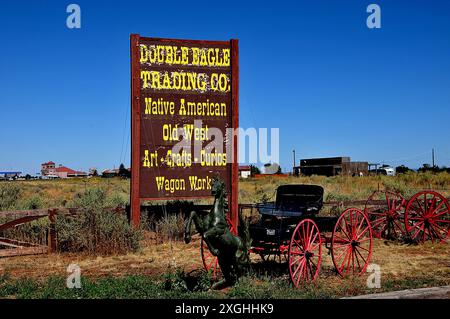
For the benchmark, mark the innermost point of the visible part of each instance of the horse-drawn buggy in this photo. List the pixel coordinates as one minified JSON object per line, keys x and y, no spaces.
{"x":290,"y":228}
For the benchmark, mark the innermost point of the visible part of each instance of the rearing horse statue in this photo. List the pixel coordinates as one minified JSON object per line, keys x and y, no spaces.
{"x":232,"y":251}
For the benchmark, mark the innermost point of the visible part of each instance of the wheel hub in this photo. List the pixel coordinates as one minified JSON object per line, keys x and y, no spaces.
{"x":390,"y":216}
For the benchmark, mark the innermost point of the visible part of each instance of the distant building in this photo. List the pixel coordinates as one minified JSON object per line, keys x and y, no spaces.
{"x":9,"y":175}
{"x":107,"y":173}
{"x":65,"y":172}
{"x":355,"y":168}
{"x":331,"y":166}
{"x":245,"y":171}
{"x":110,"y":173}
{"x":49,"y":170}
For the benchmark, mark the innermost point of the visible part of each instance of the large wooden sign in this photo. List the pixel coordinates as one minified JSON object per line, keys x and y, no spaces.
{"x":184,"y":105}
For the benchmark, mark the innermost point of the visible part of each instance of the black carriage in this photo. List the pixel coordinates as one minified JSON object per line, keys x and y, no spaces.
{"x":290,"y":228}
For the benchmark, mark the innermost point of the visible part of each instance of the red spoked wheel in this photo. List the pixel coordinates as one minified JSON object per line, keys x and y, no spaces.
{"x":385,"y":210}
{"x":305,"y":252}
{"x":427,"y":216}
{"x":351,"y":242}
{"x":211,"y":262}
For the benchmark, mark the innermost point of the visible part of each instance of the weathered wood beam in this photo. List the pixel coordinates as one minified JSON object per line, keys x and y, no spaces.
{"x":15,"y":242}
{"x":23,"y":251}
{"x":19,"y":221}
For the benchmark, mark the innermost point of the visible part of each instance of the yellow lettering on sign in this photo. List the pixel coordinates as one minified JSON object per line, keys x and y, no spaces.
{"x":171,"y":185}
{"x":203,"y":59}
{"x":226,"y":57}
{"x":205,"y":108}
{"x":144,"y":53}
{"x":220,"y":82}
{"x":185,"y":81}
{"x":195,"y":56}
{"x":180,"y":160}
{"x":169,"y":55}
{"x":212,"y":159}
{"x":150,"y":159}
{"x":170,"y":133}
{"x":198,"y":184}
{"x":159,"y":107}
{"x":174,"y":55}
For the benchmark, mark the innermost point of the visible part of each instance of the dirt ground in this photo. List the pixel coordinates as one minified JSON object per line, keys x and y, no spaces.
{"x":153,"y":259}
{"x":398,"y":261}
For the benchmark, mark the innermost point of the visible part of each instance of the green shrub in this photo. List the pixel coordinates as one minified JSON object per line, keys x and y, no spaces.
{"x":182,"y":282}
{"x":398,"y":186}
{"x":97,"y":232}
{"x":118,"y":200}
{"x":338,"y":197}
{"x":9,"y":196}
{"x":96,"y":228}
{"x":170,"y":227}
{"x":90,"y":199}
{"x":34,"y":202}
{"x":130,"y":287}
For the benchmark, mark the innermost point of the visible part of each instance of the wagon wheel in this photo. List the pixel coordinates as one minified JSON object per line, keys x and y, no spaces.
{"x":305,"y":252}
{"x":385,"y":211}
{"x":211,"y":262}
{"x":351,"y":242}
{"x":427,"y":216}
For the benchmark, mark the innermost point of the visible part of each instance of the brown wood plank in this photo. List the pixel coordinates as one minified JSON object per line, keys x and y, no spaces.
{"x":4,"y":243}
{"x":15,"y":242}
{"x":234,"y":200}
{"x":135,"y":201}
{"x":24,"y":213}
{"x":17,"y":222}
{"x":23,"y":251}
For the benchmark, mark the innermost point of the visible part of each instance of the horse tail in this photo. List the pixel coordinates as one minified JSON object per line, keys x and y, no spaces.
{"x":244,"y":232}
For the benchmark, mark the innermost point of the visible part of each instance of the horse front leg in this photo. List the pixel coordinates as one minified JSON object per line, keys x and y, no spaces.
{"x":212,"y":234}
{"x":198,"y":223}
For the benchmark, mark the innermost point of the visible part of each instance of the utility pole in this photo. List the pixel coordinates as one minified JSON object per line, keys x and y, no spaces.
{"x":294,"y":157}
{"x":432,"y":156}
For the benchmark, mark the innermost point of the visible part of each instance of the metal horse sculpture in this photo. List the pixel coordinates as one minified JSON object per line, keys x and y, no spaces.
{"x":232,"y":251}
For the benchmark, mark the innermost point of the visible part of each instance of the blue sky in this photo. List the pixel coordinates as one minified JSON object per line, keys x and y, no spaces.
{"x":311,"y":68}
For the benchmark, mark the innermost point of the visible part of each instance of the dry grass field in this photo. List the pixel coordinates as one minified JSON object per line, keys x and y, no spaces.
{"x":402,"y":265}
{"x":60,"y":193}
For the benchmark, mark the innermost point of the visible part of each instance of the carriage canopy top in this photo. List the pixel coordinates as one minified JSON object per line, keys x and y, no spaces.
{"x":295,"y":200}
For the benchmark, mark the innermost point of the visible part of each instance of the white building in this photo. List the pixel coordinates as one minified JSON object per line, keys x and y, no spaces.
{"x":245,"y":171}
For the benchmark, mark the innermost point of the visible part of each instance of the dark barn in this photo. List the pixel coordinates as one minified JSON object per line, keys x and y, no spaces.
{"x":331,"y":166}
